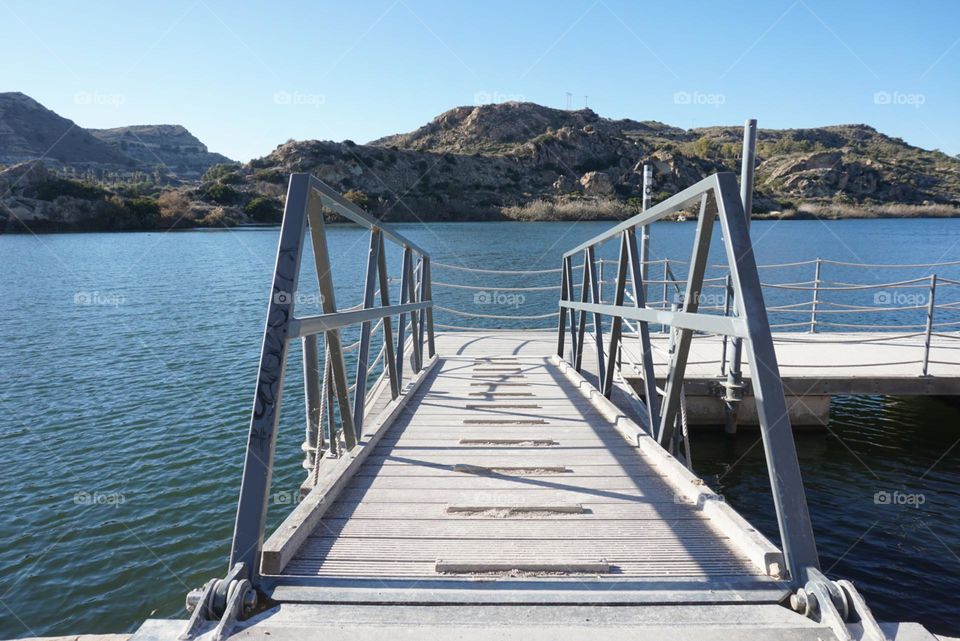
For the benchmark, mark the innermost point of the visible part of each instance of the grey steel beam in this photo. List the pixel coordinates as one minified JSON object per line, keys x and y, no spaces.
{"x":401,"y":324}
{"x":691,"y":302}
{"x":646,"y":350}
{"x":748,"y":161}
{"x":415,"y":317}
{"x":591,"y":258}
{"x":262,"y":439}
{"x":328,"y":303}
{"x":616,"y":323}
{"x":389,"y":361}
{"x":786,"y":483}
{"x":564,"y":295}
{"x":335,"y":202}
{"x":568,"y":270}
{"x":370,"y":282}
{"x":678,"y":201}
{"x":582,"y":317}
{"x":306,"y":325}
{"x":427,"y":295}
{"x":712,"y":323}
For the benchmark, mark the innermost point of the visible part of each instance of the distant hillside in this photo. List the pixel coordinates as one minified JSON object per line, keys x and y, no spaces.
{"x":528,"y":161}
{"x":510,"y":160}
{"x":169,"y":146}
{"x":30,"y":131}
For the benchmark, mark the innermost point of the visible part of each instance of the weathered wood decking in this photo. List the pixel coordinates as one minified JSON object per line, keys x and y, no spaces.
{"x":501,"y":466}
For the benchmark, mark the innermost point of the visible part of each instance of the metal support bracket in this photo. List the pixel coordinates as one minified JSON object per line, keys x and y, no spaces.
{"x":838,"y":605}
{"x":225,"y":601}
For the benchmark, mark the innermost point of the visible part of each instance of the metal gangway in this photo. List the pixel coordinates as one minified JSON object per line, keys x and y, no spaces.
{"x":497,"y":483}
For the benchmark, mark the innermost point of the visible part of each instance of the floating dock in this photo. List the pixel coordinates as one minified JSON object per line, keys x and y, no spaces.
{"x":488,"y":486}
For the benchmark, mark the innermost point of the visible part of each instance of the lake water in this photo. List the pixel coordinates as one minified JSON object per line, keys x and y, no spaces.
{"x":128,"y":363}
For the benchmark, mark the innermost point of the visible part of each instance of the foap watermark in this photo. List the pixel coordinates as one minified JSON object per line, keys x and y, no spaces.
{"x":493,"y":97}
{"x":885,"y":497}
{"x":700,"y":499}
{"x":299,"y":99}
{"x":501,"y":299}
{"x":289,"y":497}
{"x":888,"y":298}
{"x":97,"y":99}
{"x":105,"y":299}
{"x":297,"y":298}
{"x":112,"y":499}
{"x":899,"y":98}
{"x":699,"y":98}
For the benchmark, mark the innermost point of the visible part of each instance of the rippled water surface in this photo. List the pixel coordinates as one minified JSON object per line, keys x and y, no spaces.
{"x":128,"y":363}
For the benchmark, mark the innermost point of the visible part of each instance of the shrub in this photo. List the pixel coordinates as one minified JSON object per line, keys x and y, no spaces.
{"x":55,"y":187}
{"x":263,"y":209}
{"x":222,"y":194}
{"x":174,"y":206}
{"x":223,"y":172}
{"x":144,"y":212}
{"x":357,"y":197}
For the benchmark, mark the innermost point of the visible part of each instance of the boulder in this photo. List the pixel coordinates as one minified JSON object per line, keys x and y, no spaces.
{"x":597,"y":183}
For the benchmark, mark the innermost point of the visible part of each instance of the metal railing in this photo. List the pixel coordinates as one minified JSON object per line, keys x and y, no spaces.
{"x":335,"y":408}
{"x":718,"y":198}
{"x":922,"y":296}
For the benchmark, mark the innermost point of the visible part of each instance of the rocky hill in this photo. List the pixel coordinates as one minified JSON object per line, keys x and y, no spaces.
{"x":171,"y":147}
{"x":521,"y":160}
{"x":29,"y":131}
{"x":525,"y":160}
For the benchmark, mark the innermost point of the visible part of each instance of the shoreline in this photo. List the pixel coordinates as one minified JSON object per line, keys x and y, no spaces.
{"x":18,"y":228}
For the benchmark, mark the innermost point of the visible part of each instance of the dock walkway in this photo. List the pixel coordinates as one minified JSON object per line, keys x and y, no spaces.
{"x":500,"y":466}
{"x":492,"y":485}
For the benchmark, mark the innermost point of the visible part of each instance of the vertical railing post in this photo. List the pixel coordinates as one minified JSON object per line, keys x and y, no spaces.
{"x":666,"y":291}
{"x":568,"y":274}
{"x":600,"y":281}
{"x":931,"y":306}
{"x":645,"y":229}
{"x":728,"y":294}
{"x":691,"y":302}
{"x":816,"y":298}
{"x":597,"y":318}
{"x":405,"y":272}
{"x":363,"y":354}
{"x":312,"y":401}
{"x":389,"y":357}
{"x":734,"y":379}
{"x":421,"y":333}
{"x":582,"y":316}
{"x":428,"y":293}
{"x":564,"y":296}
{"x":414,"y":316}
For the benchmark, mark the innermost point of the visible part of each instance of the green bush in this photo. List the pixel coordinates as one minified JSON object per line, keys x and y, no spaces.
{"x":263,"y":209}
{"x":222,"y":194}
{"x":224,"y":173}
{"x":55,"y":187}
{"x":144,"y":212}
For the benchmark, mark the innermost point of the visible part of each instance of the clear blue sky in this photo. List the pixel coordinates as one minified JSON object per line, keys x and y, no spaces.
{"x":247,"y":76}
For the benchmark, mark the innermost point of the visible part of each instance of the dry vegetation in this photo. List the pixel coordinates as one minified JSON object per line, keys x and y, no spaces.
{"x":579,"y":209}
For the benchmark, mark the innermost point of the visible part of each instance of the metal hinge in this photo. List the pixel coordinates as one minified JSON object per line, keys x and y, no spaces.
{"x":838,"y":605}
{"x":223,"y":600}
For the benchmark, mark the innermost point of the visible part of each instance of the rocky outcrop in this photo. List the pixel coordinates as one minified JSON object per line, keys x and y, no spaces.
{"x":170,"y":147}
{"x":596,"y":183}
